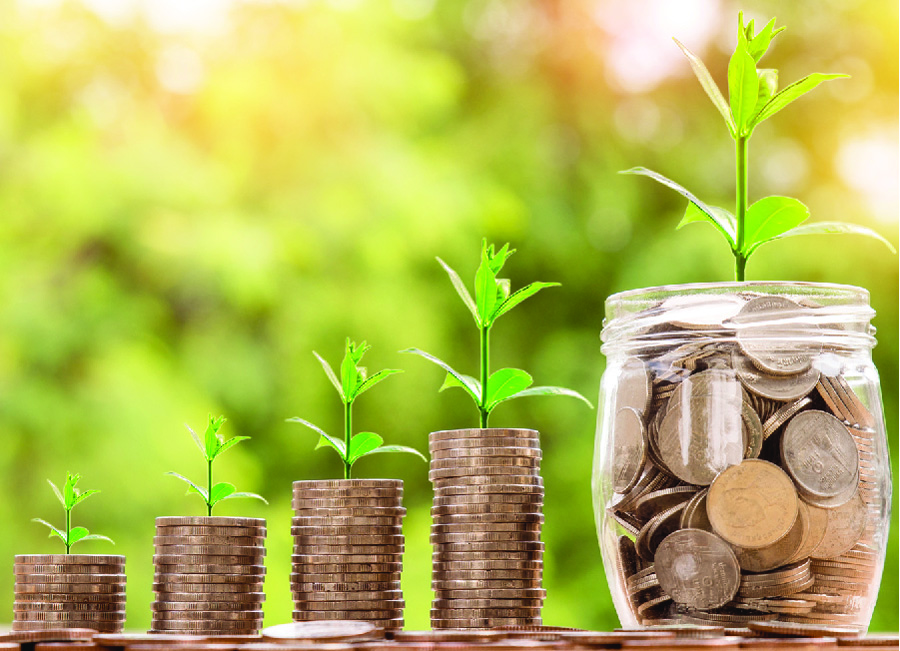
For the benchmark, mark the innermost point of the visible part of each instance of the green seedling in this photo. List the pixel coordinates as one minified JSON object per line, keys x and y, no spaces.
{"x":212,"y":445}
{"x":70,"y":497}
{"x":753,"y":98}
{"x":492,"y":300}
{"x":352,"y":384}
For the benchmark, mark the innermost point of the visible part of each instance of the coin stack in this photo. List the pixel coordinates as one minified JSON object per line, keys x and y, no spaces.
{"x":348,"y":551}
{"x":209,"y":575}
{"x":487,"y":513}
{"x":55,"y":591}
{"x":740,"y":432}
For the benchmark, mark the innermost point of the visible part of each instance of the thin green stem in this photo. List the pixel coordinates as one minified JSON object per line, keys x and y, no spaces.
{"x":741,"y":173}
{"x":348,"y":434}
{"x":209,"y":487}
{"x":485,"y":369}
{"x":68,"y":529}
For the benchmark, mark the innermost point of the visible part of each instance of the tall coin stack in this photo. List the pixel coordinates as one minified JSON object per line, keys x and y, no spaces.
{"x":487,"y":513}
{"x":348,"y":551}
{"x":209,"y":575}
{"x":55,"y":591}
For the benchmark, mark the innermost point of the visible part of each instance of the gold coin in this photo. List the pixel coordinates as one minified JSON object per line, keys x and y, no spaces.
{"x":306,"y":600}
{"x":783,"y":415}
{"x":505,"y":481}
{"x":331,"y":493}
{"x":54,"y":577}
{"x":483,"y":433}
{"x":778,"y":553}
{"x":205,"y":606}
{"x":69,"y":570}
{"x":69,"y":559}
{"x":206,"y":588}
{"x":347,"y":530}
{"x":241,"y":541}
{"x":209,"y":521}
{"x":802,"y":630}
{"x":33,"y":616}
{"x":487,"y":442}
{"x":753,"y":504}
{"x":646,"y":506}
{"x":481,"y":500}
{"x":480,"y":613}
{"x":199,"y":573}
{"x":303,"y":510}
{"x":348,"y":484}
{"x":325,"y":558}
{"x":347,"y":521}
{"x":485,"y":584}
{"x":348,"y":550}
{"x":214,"y":616}
{"x":487,"y":622}
{"x":499,"y":508}
{"x":493,"y":593}
{"x":445,"y":604}
{"x":453,"y":463}
{"x":464,"y":518}
{"x":234,"y":597}
{"x":200,"y":530}
{"x":334,"y":569}
{"x":486,"y":542}
{"x":502,"y":474}
{"x":69,"y":607}
{"x":64,"y":635}
{"x":843,"y":529}
{"x":365,"y":613}
{"x":247,"y":551}
{"x":490,"y":488}
{"x":69,"y":588}
{"x":319,"y":631}
{"x":486,"y":452}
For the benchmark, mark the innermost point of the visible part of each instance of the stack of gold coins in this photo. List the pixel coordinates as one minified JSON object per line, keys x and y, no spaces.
{"x":56,"y":591}
{"x":209,"y":575}
{"x":487,"y":512}
{"x":348,"y":551}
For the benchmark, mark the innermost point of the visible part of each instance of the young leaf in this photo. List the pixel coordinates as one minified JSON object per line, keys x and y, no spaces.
{"x":518,"y":296}
{"x":498,"y":259}
{"x":239,"y":495}
{"x":192,"y":486}
{"x":504,"y":383}
{"x":234,"y":440}
{"x":770,"y":217}
{"x":460,"y":288}
{"x":197,"y":440}
{"x":76,"y":534}
{"x":372,"y":380}
{"x":331,"y":376}
{"x":351,"y":374}
{"x":759,"y":44}
{"x":80,"y":497}
{"x":693,"y":214}
{"x":325,"y":439}
{"x":363,"y":443}
{"x":53,"y":530}
{"x":743,"y":86}
{"x":709,"y":85}
{"x":212,"y":442}
{"x":69,"y":491}
{"x":551,"y":391}
{"x":470,"y":384}
{"x":768,"y":87}
{"x":485,"y":288}
{"x":790,"y":93}
{"x":726,"y":228}
{"x":56,"y":492}
{"x":396,"y":448}
{"x":95,"y":536}
{"x":829,"y":228}
{"x":220,"y":491}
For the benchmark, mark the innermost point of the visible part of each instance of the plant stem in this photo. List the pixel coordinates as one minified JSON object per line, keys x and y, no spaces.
{"x":741,"y":155}
{"x":68,"y":529}
{"x":209,"y":487}
{"x":348,"y":434}
{"x":485,"y":366}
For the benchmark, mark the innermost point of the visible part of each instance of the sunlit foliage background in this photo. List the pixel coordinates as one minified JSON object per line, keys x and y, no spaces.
{"x":195,"y":195}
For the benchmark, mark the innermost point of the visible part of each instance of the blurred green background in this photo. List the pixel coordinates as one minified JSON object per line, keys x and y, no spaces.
{"x":196,"y":195}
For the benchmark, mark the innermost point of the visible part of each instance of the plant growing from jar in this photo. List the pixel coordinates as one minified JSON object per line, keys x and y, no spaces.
{"x":354,"y":381}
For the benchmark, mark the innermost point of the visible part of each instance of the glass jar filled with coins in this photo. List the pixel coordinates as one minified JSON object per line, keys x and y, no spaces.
{"x":741,"y":470}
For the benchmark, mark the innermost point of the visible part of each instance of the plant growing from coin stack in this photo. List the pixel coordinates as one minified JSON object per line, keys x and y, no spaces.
{"x":753,"y":97}
{"x":354,"y":381}
{"x":70,"y":497}
{"x":212,"y":445}
{"x":492,"y":300}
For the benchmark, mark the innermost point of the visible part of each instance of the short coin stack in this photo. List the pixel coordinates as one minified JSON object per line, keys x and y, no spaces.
{"x":348,"y":551}
{"x":487,"y":512}
{"x":209,"y":575}
{"x":55,"y":591}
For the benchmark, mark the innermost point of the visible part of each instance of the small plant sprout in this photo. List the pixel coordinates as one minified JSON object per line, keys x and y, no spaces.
{"x":492,"y":300}
{"x":212,"y":445}
{"x":753,"y":97}
{"x":352,"y":384}
{"x":69,"y":497}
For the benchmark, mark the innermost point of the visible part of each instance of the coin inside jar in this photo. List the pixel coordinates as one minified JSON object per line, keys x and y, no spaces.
{"x":631,"y":449}
{"x":697,"y":569}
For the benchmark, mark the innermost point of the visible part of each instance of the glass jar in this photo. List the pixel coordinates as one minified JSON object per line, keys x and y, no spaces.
{"x":741,"y":471}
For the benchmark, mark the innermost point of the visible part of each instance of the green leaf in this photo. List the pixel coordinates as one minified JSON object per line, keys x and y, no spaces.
{"x":351,"y":373}
{"x":372,"y":380}
{"x":197,"y":440}
{"x":470,"y":384}
{"x":518,"y":296}
{"x":211,"y":437}
{"x":325,"y":439}
{"x":230,"y":443}
{"x":56,"y":492}
{"x":769,"y":218}
{"x":768,"y":87}
{"x":192,"y":487}
{"x":363,"y":443}
{"x":238,"y":495}
{"x":466,"y":382}
{"x":460,"y":287}
{"x":80,"y":497}
{"x":504,"y":383}
{"x":331,"y":376}
{"x":790,"y":93}
{"x":485,"y":288}
{"x":396,"y":448}
{"x":69,"y":491}
{"x":709,"y":85}
{"x":830,"y":228}
{"x":758,"y":45}
{"x":743,"y":86}
{"x":53,"y":530}
{"x":220,"y":491}
{"x":76,"y":534}
{"x":95,"y":536}
{"x":725,"y":226}
{"x":551,"y":391}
